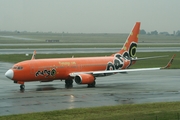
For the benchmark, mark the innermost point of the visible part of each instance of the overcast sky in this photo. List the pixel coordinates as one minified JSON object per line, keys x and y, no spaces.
{"x":89,"y":16}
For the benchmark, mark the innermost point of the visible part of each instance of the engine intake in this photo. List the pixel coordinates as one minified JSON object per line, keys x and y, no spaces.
{"x":84,"y":79}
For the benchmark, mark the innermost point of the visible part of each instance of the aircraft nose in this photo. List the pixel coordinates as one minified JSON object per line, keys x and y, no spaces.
{"x":9,"y":74}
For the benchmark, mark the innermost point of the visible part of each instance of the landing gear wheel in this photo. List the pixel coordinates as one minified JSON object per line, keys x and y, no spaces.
{"x":22,"y":87}
{"x":68,"y":83}
{"x":92,"y":84}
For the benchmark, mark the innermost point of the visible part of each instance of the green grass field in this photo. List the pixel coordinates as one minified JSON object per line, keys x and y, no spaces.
{"x":157,"y":62}
{"x":151,"y":111}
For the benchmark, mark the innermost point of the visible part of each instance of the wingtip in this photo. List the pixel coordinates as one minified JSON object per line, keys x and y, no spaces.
{"x":169,"y":63}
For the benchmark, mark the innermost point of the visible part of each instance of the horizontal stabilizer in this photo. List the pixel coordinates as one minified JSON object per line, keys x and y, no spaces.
{"x":136,"y":59}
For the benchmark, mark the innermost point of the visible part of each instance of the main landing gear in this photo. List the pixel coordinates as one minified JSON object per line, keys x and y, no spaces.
{"x":92,"y":84}
{"x":69,"y":83}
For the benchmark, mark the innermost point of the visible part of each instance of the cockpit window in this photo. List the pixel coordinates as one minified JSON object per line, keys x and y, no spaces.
{"x":17,"y":67}
{"x":14,"y":67}
{"x":20,"y":67}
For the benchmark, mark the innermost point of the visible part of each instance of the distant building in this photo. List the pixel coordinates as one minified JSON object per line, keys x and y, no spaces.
{"x":52,"y":41}
{"x":164,"y":33}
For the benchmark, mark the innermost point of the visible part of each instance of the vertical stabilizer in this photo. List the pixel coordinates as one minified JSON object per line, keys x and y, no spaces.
{"x":129,"y":47}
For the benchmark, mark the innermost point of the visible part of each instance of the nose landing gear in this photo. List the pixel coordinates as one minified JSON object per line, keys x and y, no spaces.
{"x":22,"y":87}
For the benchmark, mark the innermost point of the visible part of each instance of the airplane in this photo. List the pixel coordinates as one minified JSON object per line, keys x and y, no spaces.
{"x":83,"y":70}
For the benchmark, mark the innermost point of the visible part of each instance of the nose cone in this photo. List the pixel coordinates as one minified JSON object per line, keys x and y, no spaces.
{"x":9,"y":74}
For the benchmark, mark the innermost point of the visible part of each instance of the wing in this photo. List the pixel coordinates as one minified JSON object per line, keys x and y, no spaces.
{"x":110,"y":72}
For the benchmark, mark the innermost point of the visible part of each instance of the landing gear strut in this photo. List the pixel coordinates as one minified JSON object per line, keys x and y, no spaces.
{"x":92,"y":84}
{"x":69,"y":83}
{"x":22,"y":86}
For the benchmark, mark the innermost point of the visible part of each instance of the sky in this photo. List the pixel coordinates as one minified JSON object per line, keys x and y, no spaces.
{"x":89,"y":16}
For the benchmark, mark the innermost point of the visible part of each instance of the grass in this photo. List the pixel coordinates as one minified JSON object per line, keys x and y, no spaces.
{"x":156,"y":62}
{"x":151,"y":111}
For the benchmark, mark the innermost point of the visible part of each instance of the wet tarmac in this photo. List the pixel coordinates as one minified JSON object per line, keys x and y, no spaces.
{"x":85,"y":50}
{"x":131,"y":88}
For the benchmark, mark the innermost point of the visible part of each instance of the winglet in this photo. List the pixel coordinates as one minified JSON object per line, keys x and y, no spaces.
{"x":169,"y":63}
{"x":33,"y":56}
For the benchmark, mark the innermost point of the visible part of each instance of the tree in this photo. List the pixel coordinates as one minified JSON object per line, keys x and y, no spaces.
{"x":154,"y":32}
{"x":178,"y":33}
{"x":143,"y":32}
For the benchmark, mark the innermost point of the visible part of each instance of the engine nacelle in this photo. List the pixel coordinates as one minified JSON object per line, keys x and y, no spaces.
{"x":84,"y":79}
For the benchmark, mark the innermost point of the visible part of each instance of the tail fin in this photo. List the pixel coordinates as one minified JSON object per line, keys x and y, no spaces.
{"x":129,"y":48}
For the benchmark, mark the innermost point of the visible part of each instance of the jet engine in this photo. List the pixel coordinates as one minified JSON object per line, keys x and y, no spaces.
{"x":84,"y":79}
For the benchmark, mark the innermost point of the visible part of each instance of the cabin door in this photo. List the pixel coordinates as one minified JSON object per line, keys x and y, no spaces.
{"x":32,"y":68}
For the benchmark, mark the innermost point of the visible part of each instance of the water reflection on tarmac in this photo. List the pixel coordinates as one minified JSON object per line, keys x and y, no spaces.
{"x":131,"y":88}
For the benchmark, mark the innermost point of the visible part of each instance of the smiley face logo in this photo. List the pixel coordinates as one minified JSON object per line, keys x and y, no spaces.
{"x":53,"y":72}
{"x":132,"y":50}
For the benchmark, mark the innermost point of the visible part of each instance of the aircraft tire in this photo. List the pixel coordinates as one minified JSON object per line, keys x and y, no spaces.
{"x":68,"y":83}
{"x":22,"y":87}
{"x":92,"y":84}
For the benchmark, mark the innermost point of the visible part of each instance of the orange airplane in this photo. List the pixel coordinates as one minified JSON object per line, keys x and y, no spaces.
{"x":82,"y":70}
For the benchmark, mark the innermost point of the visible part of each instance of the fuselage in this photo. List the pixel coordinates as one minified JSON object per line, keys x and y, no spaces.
{"x":60,"y":68}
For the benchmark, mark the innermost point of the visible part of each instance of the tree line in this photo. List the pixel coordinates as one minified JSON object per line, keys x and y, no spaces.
{"x":155,"y":32}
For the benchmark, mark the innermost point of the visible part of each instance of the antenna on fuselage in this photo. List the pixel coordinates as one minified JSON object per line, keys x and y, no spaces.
{"x":33,"y":56}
